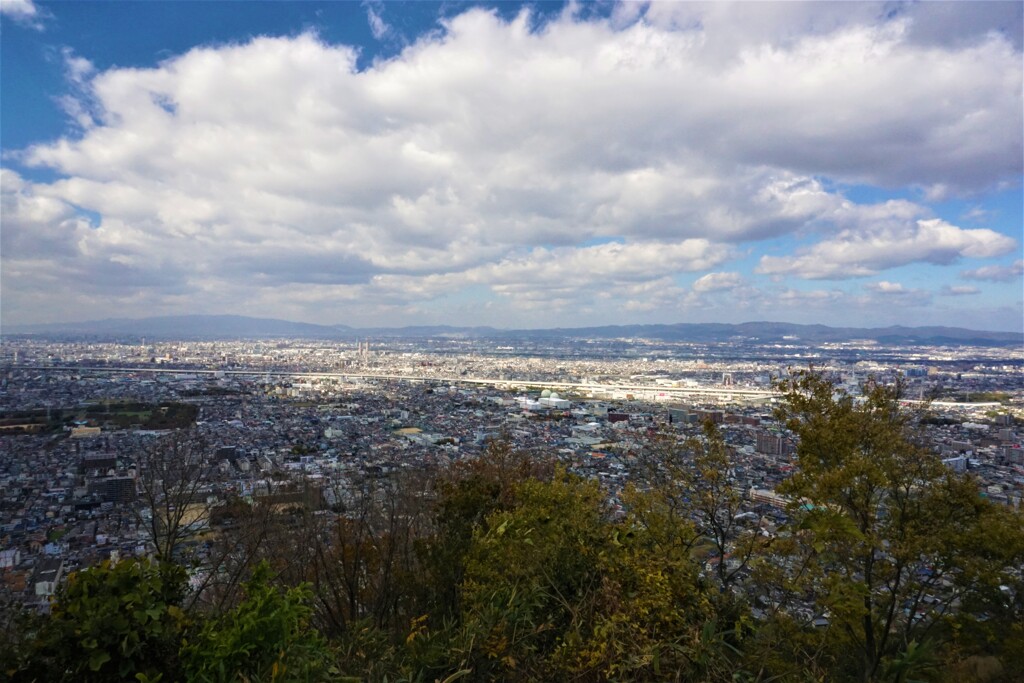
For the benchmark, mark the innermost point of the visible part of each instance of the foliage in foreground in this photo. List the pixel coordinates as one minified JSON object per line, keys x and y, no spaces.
{"x":111,"y":622}
{"x":509,"y":568}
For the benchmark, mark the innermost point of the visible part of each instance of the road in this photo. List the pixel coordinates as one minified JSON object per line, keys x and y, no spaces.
{"x":640,"y":391}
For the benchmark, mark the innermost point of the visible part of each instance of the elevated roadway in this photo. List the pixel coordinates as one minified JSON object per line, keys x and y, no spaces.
{"x":638,"y":391}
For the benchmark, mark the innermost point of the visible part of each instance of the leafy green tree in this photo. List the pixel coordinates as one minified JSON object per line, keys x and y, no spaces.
{"x":111,"y":622}
{"x":531,"y":578}
{"x":556,"y":590}
{"x":467,"y":497}
{"x":693,"y":481}
{"x":715,"y":506}
{"x":267,"y":637}
{"x":655,"y":617}
{"x":892,"y":547}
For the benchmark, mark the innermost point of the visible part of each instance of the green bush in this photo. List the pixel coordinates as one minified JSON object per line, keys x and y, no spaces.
{"x":267,"y":637}
{"x":111,"y":622}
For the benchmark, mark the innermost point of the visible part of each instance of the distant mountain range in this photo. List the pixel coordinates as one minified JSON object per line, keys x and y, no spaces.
{"x":181,"y":327}
{"x":242,"y":327}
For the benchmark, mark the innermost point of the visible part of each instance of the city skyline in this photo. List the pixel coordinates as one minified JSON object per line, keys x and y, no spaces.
{"x":517,"y":165}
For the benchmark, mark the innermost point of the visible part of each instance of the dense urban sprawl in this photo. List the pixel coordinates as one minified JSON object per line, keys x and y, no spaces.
{"x":276,"y":417}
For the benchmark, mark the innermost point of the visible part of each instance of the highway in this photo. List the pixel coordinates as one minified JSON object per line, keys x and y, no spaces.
{"x":640,"y":391}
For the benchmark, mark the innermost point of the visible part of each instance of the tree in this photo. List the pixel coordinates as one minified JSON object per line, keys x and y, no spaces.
{"x":125,"y":622}
{"x":466,"y":498}
{"x":267,"y":637}
{"x":241,"y":534}
{"x":171,"y":474}
{"x":532,"y":576}
{"x":556,"y":590}
{"x":694,"y":482}
{"x":893,"y":547}
{"x":363,"y":561}
{"x":716,"y":506}
{"x":111,"y":622}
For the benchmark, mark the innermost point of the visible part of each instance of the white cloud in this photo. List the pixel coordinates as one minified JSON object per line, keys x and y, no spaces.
{"x":24,"y":12}
{"x":610,"y":263}
{"x":886,"y":287}
{"x":859,"y":253}
{"x":495,"y":154}
{"x":882,"y":303}
{"x":736,"y":25}
{"x":52,"y":252}
{"x":378,"y":27}
{"x":717,"y":281}
{"x":977,"y":214}
{"x":995,"y":273}
{"x":893,"y":296}
{"x":801,"y":299}
{"x":959,"y":290}
{"x":18,"y":8}
{"x":77,"y":69}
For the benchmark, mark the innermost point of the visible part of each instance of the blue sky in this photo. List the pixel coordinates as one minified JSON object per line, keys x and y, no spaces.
{"x":514,"y":165}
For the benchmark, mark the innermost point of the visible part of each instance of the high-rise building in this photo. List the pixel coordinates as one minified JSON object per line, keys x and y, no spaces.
{"x":769,"y":444}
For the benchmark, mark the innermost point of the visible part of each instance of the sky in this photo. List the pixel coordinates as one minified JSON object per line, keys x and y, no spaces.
{"x":513,"y":165}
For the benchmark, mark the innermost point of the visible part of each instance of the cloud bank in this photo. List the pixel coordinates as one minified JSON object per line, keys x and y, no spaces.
{"x":527,"y":172}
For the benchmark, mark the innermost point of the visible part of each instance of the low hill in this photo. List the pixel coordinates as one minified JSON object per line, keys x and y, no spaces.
{"x":242,"y":327}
